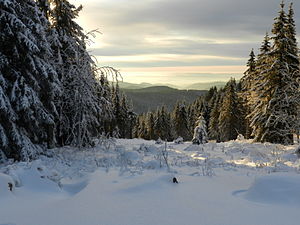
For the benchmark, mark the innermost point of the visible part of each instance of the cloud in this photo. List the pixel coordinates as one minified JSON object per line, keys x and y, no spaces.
{"x":230,"y":18}
{"x":137,"y":33}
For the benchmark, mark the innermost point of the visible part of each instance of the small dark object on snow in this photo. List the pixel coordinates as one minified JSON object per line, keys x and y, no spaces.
{"x":175,"y":180}
{"x":10,"y":186}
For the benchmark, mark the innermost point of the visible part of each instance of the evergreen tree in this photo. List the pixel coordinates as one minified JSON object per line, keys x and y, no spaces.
{"x":163,"y":125}
{"x":247,"y":92}
{"x":104,"y":94}
{"x":258,"y":92}
{"x":28,"y":81}
{"x":214,"y":131}
{"x":142,"y":129}
{"x":191,"y":117}
{"x":180,"y":121}
{"x":200,"y":132}
{"x":150,"y":126}
{"x":230,"y":121}
{"x":274,"y":119}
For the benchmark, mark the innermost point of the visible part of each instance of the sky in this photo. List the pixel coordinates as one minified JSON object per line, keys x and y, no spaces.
{"x":178,"y":42}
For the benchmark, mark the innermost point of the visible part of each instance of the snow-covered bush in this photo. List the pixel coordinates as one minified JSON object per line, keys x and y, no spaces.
{"x":240,"y":137}
{"x":178,"y":140}
{"x":162,"y":156}
{"x":159,"y":141}
{"x":127,"y":159}
{"x":207,"y":168}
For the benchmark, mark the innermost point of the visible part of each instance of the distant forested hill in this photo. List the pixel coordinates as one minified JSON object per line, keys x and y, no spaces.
{"x":148,"y":99}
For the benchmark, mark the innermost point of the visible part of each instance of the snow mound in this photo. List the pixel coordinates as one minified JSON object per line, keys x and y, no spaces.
{"x":150,"y":184}
{"x":275,"y":189}
{"x":74,"y":187}
{"x":33,"y":181}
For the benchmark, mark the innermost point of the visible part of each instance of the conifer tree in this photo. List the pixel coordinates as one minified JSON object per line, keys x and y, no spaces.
{"x":142,"y":128}
{"x":214,"y":131}
{"x":180,"y":121}
{"x":191,"y":113}
{"x":230,"y":121}
{"x":163,"y":124}
{"x":150,"y":126}
{"x":28,"y":81}
{"x":104,"y":94}
{"x":273,"y":120}
{"x":258,"y":92}
{"x":247,"y":93}
{"x":200,"y":131}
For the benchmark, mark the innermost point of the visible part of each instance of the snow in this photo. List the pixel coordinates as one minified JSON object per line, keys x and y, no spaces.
{"x":230,"y":183}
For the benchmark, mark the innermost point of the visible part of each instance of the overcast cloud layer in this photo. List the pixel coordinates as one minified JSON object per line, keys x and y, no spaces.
{"x":178,"y":33}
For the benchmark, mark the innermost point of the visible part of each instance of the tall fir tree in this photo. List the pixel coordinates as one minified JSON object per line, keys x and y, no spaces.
{"x":259,"y":92}
{"x":150,"y":126}
{"x":273,"y":120}
{"x":247,"y":92}
{"x":28,"y":81}
{"x":230,"y":118}
{"x":180,"y":121}
{"x":213,"y":129}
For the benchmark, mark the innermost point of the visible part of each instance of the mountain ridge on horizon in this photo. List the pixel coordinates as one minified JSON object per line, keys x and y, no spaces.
{"x":195,"y":86}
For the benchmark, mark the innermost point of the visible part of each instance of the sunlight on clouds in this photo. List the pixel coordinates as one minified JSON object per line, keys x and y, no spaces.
{"x":161,"y":57}
{"x":191,"y":69}
{"x":181,"y":75}
{"x":171,"y":40}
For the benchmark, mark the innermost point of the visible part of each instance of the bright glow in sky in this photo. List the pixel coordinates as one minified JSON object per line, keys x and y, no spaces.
{"x":175,"y":41}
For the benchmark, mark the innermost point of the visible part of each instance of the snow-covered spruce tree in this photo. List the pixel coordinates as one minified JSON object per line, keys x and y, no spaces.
{"x":28,"y":81}
{"x":118,"y":121}
{"x":180,"y":121}
{"x":123,"y":115}
{"x":79,"y":105}
{"x":202,"y":108}
{"x":247,"y":92}
{"x":259,"y":100}
{"x":200,"y":131}
{"x":163,"y":127}
{"x":104,"y":96}
{"x":191,"y":112}
{"x":213,"y":128}
{"x":142,"y":128}
{"x":135,"y":131}
{"x":150,"y":123}
{"x":230,"y":118}
{"x":127,"y":118}
{"x":273,"y":120}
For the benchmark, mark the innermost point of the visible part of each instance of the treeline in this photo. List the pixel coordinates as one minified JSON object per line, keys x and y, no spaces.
{"x":221,"y":109}
{"x":264,"y":105}
{"x":51,"y":91}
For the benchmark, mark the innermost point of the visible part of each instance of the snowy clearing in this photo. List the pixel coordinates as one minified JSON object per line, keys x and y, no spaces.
{"x":127,"y":182}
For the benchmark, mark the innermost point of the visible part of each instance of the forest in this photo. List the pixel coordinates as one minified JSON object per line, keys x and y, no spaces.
{"x":54,"y":94}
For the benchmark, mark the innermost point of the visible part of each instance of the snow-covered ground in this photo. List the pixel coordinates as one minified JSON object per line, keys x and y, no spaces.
{"x":127,"y":182}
